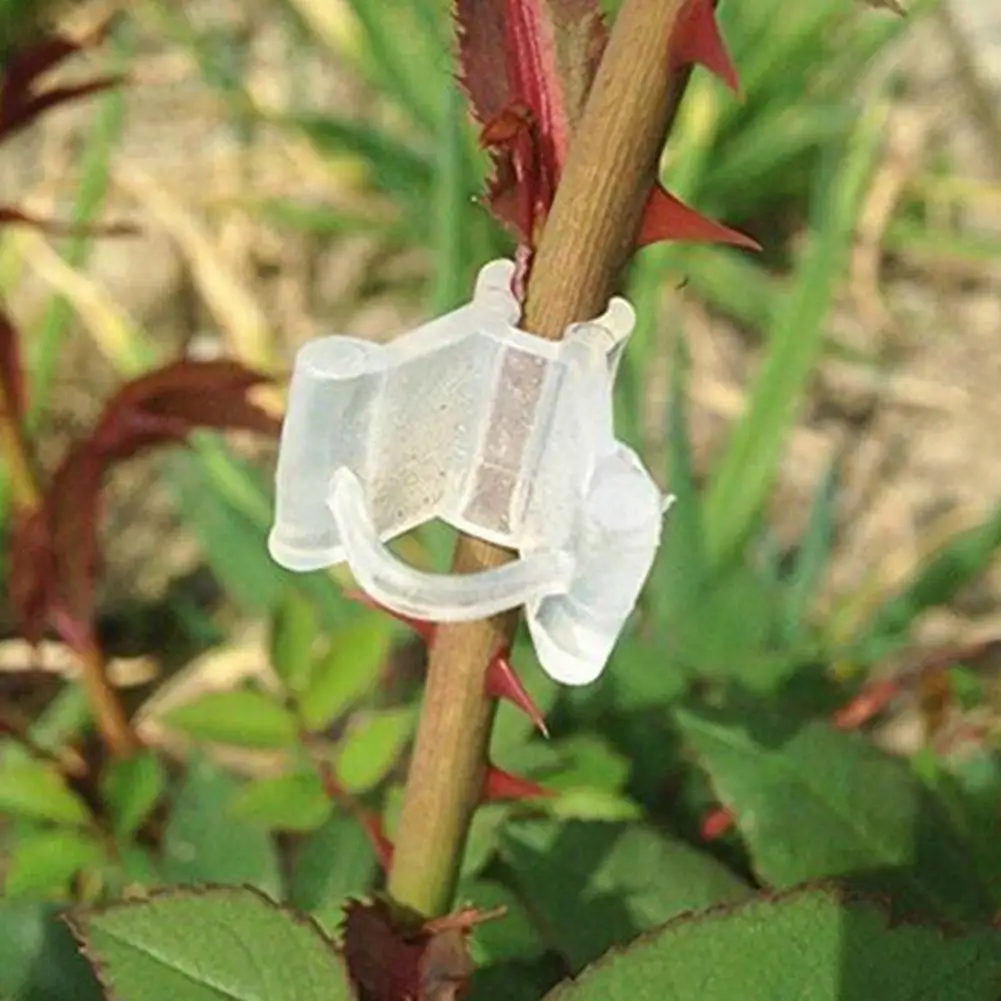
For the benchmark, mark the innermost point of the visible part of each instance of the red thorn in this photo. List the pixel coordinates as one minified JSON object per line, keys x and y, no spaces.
{"x":380,"y":843}
{"x":423,"y":628}
{"x":498,"y":784}
{"x":716,"y":823}
{"x":697,"y":39}
{"x":503,"y":683}
{"x":669,"y":218}
{"x":870,"y":702}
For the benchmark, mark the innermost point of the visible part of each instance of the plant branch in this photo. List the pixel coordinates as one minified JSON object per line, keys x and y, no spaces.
{"x":26,"y":497}
{"x":588,"y":238}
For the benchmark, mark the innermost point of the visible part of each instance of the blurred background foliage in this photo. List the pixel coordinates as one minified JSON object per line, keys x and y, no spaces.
{"x":345,"y":197}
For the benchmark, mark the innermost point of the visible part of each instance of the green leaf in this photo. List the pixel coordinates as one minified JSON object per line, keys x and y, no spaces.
{"x":244,"y":717}
{"x":584,"y":760}
{"x":592,"y":804}
{"x":228,"y":503}
{"x":350,"y":667}
{"x":216,"y":945}
{"x":373,"y":746}
{"x":39,"y":961}
{"x":44,"y":861}
{"x":810,"y":943}
{"x":294,"y":631}
{"x":511,"y":936}
{"x":36,"y":791}
{"x":814,"y":802}
{"x":204,"y":843}
{"x":332,"y":864}
{"x":132,"y":787}
{"x":595,"y":885}
{"x":589,"y":761}
{"x":484,"y":837}
{"x":293,"y":802}
{"x":939,"y":578}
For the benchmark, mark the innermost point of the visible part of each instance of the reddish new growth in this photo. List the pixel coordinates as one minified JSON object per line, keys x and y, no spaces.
{"x":55,"y":555}
{"x":527,"y":66}
{"x":392,"y":955}
{"x":23,"y":99}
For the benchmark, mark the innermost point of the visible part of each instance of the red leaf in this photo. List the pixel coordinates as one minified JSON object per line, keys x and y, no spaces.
{"x":669,"y":218}
{"x":30,"y":573}
{"x":527,"y":66}
{"x":697,"y":40}
{"x":11,"y":373}
{"x":391,"y":955}
{"x":382,"y":952}
{"x":14,"y":216}
{"x":15,"y":115}
{"x":21,"y":101}
{"x":55,"y":557}
{"x":167,"y":404}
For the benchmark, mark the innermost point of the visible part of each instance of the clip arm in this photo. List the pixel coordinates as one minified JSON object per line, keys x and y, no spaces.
{"x":435,"y":597}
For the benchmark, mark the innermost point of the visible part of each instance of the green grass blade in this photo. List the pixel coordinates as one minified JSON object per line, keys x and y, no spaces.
{"x":452,"y":271}
{"x":408,"y":61}
{"x":937,"y":581}
{"x":682,"y":567}
{"x":395,"y":168}
{"x":812,"y":557}
{"x":745,"y":474}
{"x":43,"y":350}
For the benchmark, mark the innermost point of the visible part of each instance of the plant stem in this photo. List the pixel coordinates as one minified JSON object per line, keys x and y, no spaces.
{"x":588,"y":238}
{"x":26,"y":495}
{"x":109,"y":713}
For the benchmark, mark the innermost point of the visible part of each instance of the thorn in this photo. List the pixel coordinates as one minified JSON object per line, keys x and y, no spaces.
{"x":669,"y":218}
{"x":503,"y":683}
{"x":423,"y":628}
{"x":716,"y":823}
{"x":870,"y":702}
{"x":380,"y":843}
{"x":697,"y":39}
{"x":500,"y":785}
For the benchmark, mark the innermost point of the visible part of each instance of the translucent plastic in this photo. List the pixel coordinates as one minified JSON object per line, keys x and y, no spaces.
{"x":504,"y":435}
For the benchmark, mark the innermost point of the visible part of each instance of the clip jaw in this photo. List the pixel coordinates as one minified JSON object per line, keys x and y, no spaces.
{"x":499,"y":433}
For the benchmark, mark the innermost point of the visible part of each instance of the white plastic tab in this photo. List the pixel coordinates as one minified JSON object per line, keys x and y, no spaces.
{"x":505,"y":436}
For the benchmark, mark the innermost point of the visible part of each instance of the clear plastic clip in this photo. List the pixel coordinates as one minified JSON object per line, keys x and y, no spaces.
{"x":499,"y":433}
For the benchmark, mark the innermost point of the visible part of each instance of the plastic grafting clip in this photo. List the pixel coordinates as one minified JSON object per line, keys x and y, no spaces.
{"x":505,"y":436}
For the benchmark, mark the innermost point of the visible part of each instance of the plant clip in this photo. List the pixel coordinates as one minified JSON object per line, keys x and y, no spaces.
{"x":503,"y":435}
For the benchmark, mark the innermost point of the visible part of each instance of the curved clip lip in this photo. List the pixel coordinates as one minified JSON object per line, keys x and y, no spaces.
{"x":436,"y":597}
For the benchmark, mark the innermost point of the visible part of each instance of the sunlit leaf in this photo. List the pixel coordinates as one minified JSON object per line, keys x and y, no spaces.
{"x":219,"y":943}
{"x":35,"y":790}
{"x":812,"y":943}
{"x":205,"y":843}
{"x":242,"y":716}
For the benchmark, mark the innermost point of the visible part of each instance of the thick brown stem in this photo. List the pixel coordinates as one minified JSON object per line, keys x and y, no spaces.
{"x":588,"y":238}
